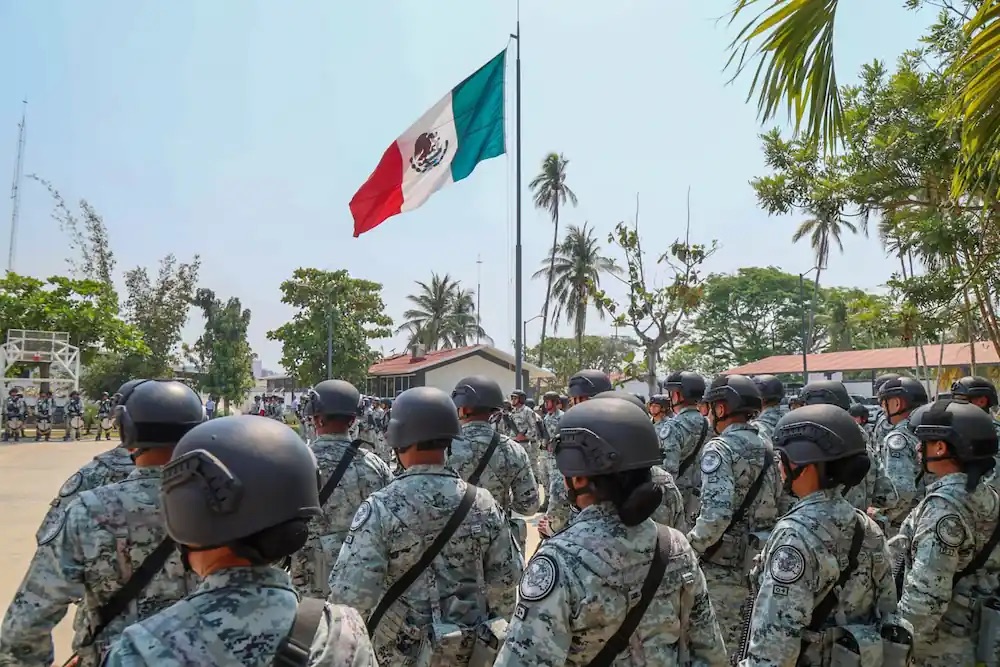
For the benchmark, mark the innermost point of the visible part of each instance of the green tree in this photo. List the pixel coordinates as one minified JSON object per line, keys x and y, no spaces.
{"x":222,"y":354}
{"x":443,"y":315}
{"x":574,"y":274}
{"x":358,"y":315}
{"x":566,"y":356}
{"x":550,"y":193}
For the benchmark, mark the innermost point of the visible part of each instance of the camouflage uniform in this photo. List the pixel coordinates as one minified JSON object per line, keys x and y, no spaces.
{"x":507,"y":476}
{"x":671,"y":510}
{"x":905,"y":477}
{"x":89,"y":553}
{"x":14,"y":408}
{"x":239,"y":616}
{"x":679,"y":439}
{"x":881,"y":429}
{"x":875,"y":484}
{"x":103,"y":412}
{"x":767,"y":420}
{"x":524,"y":426}
{"x":73,"y":409}
{"x":471,"y":580}
{"x":551,"y":423}
{"x":942,"y":536}
{"x":365,"y":475}
{"x":580,"y":584}
{"x":801,"y":563}
{"x":730,"y":463}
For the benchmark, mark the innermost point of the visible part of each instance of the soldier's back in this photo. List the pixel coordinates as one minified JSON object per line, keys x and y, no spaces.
{"x":507,"y":474}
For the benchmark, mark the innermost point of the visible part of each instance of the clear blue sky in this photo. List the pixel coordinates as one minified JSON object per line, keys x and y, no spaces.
{"x":240,"y":130}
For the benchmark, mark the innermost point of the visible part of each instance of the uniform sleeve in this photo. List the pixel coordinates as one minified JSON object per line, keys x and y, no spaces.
{"x":789,"y":581}
{"x":341,"y":640}
{"x":524,"y":487}
{"x":671,"y":440}
{"x":938,"y":534}
{"x":539,"y":632}
{"x":901,"y":470}
{"x":55,"y":579}
{"x":500,"y":570}
{"x":706,"y":646}
{"x":718,"y":488}
{"x":359,"y":577}
{"x":559,"y":510}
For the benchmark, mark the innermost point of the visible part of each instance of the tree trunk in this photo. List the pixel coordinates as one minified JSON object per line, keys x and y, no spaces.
{"x":225,"y":406}
{"x":548,"y":288}
{"x":940,"y":369}
{"x":651,"y":355}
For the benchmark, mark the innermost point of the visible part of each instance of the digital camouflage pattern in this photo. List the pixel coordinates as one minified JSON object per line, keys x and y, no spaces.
{"x":366,"y":474}
{"x":862,"y":495}
{"x":941,"y":537}
{"x":671,"y":510}
{"x":680,"y":437}
{"x":471,"y":580}
{"x":905,"y":478}
{"x":730,"y":463}
{"x":88,"y":554}
{"x":525,"y":432}
{"x":767,"y":421}
{"x":578,"y":587}
{"x":550,"y":421}
{"x":508,"y":475}
{"x":239,"y":616}
{"x":800,"y":564}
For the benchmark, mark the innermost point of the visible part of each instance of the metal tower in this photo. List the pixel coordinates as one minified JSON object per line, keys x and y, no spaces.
{"x":15,"y":188}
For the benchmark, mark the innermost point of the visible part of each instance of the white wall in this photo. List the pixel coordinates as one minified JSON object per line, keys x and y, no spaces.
{"x":446,"y":377}
{"x":862,"y":387}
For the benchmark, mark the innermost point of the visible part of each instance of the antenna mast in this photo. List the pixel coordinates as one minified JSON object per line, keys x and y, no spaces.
{"x":15,"y":189}
{"x":479,"y":282}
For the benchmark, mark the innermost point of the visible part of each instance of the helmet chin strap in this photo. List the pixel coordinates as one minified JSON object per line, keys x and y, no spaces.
{"x":573,"y":493}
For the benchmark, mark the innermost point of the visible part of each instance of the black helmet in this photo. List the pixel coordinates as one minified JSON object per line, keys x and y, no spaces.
{"x":965,"y":427}
{"x":973,"y":386}
{"x":904,"y":387}
{"x":660,"y":399}
{"x":387,"y":402}
{"x":917,"y":416}
{"x":126,"y":389}
{"x":624,"y":396}
{"x":333,"y":398}
{"x":563,"y":401}
{"x":423,"y":415}
{"x":157,"y":413}
{"x":738,"y":392}
{"x":859,"y":410}
{"x":520,"y":394}
{"x":826,"y":392}
{"x":530,"y":402}
{"x":219,"y":486}
{"x":589,"y":383}
{"x":477,"y":392}
{"x":551,"y":396}
{"x":818,"y":433}
{"x":606,"y":437}
{"x":771,"y":389}
{"x":882,"y":379}
{"x":690,"y":385}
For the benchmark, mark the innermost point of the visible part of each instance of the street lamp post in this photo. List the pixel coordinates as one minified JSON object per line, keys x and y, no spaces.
{"x":524,"y":341}
{"x":805,"y":341}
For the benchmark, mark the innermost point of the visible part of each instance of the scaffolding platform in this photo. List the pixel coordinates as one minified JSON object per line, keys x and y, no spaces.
{"x":28,"y":347}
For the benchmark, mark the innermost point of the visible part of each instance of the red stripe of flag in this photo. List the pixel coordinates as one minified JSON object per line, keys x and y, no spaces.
{"x":381,"y":196}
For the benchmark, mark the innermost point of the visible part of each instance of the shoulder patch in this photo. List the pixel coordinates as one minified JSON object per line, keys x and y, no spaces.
{"x":950,"y":531}
{"x":896,"y":442}
{"x":51,"y":526}
{"x":71,"y":485}
{"x":362,"y":515}
{"x":787,"y":564}
{"x":710,"y":462}
{"x":539,"y":579}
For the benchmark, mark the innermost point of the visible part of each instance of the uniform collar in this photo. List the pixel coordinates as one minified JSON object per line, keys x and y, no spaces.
{"x":951,"y":479}
{"x":739,"y":426}
{"x":604,"y":511}
{"x":257,"y":575}
{"x":334,"y":437}
{"x":145,"y":472}
{"x":477,"y":428}
{"x":820,"y":496}
{"x":428,"y":469}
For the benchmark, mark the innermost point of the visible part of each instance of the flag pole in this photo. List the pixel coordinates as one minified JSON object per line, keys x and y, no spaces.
{"x":518,"y":340}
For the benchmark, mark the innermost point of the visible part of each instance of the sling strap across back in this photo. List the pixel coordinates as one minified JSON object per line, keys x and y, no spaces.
{"x":338,"y":473}
{"x":686,"y":463}
{"x":982,"y":556}
{"x":751,"y":496}
{"x":619,"y":640}
{"x":829,"y":602}
{"x":295,"y":647}
{"x":403,"y":583}
{"x":485,"y":460}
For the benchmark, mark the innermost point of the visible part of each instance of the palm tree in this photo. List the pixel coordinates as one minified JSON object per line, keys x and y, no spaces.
{"x":550,"y":192}
{"x":443,"y":316}
{"x":574,"y":273}
{"x":792,"y":40}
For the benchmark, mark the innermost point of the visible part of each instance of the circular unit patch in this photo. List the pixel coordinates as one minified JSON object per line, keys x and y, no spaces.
{"x":362,"y":515}
{"x":71,"y":485}
{"x":950,"y":531}
{"x":896,"y":442}
{"x":51,"y":526}
{"x":787,"y":565}
{"x":538,"y":579}
{"x":710,"y":462}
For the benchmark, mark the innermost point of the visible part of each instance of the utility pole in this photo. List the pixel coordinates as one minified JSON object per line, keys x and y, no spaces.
{"x":15,"y":188}
{"x":479,"y":284}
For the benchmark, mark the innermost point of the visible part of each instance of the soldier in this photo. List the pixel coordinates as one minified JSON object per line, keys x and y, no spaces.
{"x":948,"y":544}
{"x":43,"y":416}
{"x":348,"y":475}
{"x":74,"y":416}
{"x":576,"y":602}
{"x":220,"y":505}
{"x":104,"y":423}
{"x":255,"y":409}
{"x":882,"y":424}
{"x":898,"y":398}
{"x":108,"y":540}
{"x":684,"y":436}
{"x":428,"y":560}
{"x":12,"y":410}
{"x":825,"y":572}
{"x":525,"y":431}
{"x":552,"y":413}
{"x":771,"y":392}
{"x":859,"y":412}
{"x":503,"y":465}
{"x":366,"y":424}
{"x":739,"y":494}
{"x":980,"y":392}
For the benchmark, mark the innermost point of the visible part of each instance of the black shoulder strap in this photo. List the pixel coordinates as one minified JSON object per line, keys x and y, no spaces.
{"x":295,"y":647}
{"x":404,"y":582}
{"x":484,"y":461}
{"x":751,"y":496}
{"x":826,"y":605}
{"x":982,"y":556}
{"x":686,"y":463}
{"x":120,"y":599}
{"x":620,"y":639}
{"x":338,"y":473}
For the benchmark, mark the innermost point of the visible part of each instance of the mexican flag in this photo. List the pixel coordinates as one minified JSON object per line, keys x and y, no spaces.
{"x":444,"y":146}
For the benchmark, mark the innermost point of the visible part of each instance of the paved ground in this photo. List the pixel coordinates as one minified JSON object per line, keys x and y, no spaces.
{"x":30,"y":476}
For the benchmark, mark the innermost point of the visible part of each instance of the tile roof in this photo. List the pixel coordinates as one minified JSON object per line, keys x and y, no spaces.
{"x":954,"y":354}
{"x":404,"y":364}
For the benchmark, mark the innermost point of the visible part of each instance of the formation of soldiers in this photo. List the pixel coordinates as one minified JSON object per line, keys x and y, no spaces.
{"x":699,"y":527}
{"x":15,"y":414}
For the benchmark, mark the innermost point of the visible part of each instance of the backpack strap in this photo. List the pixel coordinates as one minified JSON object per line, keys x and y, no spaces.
{"x":404,"y":582}
{"x":484,"y":461}
{"x":982,"y":556}
{"x":686,"y":463}
{"x":619,"y":641}
{"x":827,"y":604}
{"x":338,"y":473}
{"x":751,"y":496}
{"x":293,"y":651}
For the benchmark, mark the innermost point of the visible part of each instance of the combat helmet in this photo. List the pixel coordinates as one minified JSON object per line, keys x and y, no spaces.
{"x":826,"y":392}
{"x":425,"y":417}
{"x":158,"y":413}
{"x":588,"y":383}
{"x":333,"y":398}
{"x":604,"y":437}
